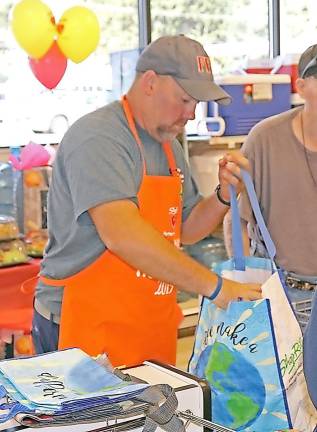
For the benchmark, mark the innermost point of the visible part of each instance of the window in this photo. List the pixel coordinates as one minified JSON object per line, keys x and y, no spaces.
{"x":298,"y":25}
{"x":229,"y":30}
{"x":26,"y":105}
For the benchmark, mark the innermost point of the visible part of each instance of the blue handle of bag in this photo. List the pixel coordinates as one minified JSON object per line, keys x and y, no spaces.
{"x":237,"y":243}
{"x":12,"y":408}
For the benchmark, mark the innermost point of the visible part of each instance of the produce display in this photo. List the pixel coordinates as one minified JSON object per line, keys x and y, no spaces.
{"x":35,"y":189}
{"x":12,"y":252}
{"x":8,"y":228}
{"x":12,"y":248}
{"x":35,"y":242}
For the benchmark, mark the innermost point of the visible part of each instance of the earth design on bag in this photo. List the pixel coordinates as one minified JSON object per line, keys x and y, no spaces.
{"x":238,"y":397}
{"x":89,"y":376}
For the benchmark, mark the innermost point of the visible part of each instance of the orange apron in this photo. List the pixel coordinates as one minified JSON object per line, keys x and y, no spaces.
{"x":110,"y":307}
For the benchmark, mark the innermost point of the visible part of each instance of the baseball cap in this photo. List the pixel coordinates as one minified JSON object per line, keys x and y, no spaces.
{"x":187,"y":62}
{"x":307,"y":64}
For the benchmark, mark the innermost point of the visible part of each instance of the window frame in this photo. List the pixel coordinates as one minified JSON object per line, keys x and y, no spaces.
{"x":274,"y":18}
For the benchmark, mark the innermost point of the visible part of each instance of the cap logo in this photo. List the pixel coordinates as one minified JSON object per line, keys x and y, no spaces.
{"x":203,"y":64}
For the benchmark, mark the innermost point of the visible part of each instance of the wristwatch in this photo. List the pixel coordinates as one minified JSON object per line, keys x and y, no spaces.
{"x":217,"y":190}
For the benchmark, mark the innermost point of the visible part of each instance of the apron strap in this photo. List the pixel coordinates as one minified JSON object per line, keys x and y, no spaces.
{"x":131,"y":123}
{"x":166,"y":144}
{"x":170,"y":158}
{"x":54,"y":282}
{"x":28,"y":286}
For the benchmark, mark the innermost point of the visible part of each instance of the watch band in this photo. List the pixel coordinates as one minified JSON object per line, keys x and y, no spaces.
{"x":217,"y":190}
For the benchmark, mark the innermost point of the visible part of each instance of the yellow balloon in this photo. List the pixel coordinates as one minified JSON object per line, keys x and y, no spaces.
{"x":33,"y":26}
{"x":79,"y":33}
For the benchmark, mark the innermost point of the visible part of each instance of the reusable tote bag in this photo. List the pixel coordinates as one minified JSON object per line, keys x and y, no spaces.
{"x":60,"y":383}
{"x":251,"y":353}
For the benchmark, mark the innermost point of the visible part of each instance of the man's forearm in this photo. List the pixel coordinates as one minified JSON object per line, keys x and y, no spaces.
{"x":203,"y":220}
{"x":135,"y":241}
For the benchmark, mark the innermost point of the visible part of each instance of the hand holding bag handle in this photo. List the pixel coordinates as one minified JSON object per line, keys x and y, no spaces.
{"x":238,"y":255}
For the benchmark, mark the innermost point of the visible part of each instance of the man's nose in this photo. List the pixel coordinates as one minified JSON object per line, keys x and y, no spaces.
{"x":190,"y":113}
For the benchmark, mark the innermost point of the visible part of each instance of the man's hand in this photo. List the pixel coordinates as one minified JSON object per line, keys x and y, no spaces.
{"x":229,"y":172}
{"x":232,"y":291}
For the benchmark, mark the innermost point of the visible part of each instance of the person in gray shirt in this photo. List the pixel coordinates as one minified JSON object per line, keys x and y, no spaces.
{"x":282,"y":151}
{"x":120,"y":202}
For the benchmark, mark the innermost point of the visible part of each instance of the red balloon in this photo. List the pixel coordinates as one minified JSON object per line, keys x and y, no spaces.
{"x":50,"y":68}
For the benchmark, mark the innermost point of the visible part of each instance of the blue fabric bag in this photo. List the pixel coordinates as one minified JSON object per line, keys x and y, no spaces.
{"x":61,"y":382}
{"x":251,"y":353}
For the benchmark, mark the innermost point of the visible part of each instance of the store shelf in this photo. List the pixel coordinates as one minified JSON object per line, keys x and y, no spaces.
{"x":190,"y":309}
{"x":222,"y":142}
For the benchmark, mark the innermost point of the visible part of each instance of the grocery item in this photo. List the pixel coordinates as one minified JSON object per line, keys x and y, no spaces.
{"x":8,"y":228}
{"x":23,"y":346}
{"x":14,"y":343}
{"x":12,"y":252}
{"x":35,"y":188}
{"x":35,"y":242}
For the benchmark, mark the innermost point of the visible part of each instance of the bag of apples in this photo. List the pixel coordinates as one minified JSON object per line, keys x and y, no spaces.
{"x":35,"y":188}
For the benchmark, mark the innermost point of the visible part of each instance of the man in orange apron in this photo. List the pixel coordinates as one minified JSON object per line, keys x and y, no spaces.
{"x":120,"y":203}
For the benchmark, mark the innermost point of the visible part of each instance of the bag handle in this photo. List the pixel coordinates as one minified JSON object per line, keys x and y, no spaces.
{"x":238,"y":255}
{"x":12,"y":408}
{"x":237,"y":244}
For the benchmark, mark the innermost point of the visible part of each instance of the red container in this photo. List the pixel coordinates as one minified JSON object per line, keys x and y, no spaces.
{"x":288,"y":65}
{"x":258,"y":70}
{"x":259,"y":66}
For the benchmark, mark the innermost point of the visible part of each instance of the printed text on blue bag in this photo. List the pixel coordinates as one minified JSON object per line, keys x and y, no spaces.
{"x":233,"y":333}
{"x":51,"y":385}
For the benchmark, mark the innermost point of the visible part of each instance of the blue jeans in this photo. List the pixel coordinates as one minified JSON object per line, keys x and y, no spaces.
{"x":44,"y":334}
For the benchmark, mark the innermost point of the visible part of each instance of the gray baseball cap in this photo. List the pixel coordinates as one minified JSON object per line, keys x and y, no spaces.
{"x":187,"y":62}
{"x":307,"y":65}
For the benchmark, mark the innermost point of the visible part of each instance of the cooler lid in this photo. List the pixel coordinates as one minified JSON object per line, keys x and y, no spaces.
{"x":290,"y":59}
{"x":262,"y":62}
{"x":253,"y":79}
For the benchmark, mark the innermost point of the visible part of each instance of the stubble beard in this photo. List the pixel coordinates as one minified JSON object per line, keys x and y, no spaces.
{"x":167,"y":135}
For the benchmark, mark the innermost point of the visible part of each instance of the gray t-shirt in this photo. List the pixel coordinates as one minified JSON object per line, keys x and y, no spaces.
{"x":97,"y":161}
{"x":286,"y":193}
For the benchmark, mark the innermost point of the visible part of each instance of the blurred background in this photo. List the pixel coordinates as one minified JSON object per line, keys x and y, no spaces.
{"x":231,"y":32}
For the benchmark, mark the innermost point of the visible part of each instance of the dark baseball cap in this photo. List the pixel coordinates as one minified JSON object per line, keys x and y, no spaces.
{"x":187,"y":62}
{"x":307,"y":65}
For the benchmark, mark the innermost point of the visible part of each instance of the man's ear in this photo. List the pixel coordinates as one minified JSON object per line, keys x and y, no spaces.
{"x":148,"y":82}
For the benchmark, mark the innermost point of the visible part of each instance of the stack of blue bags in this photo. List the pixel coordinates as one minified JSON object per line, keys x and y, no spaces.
{"x":65,"y":387}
